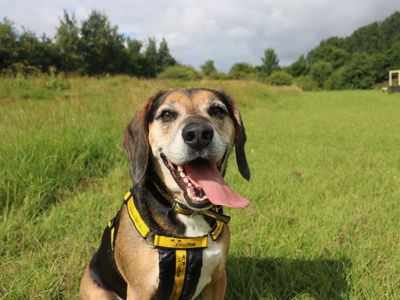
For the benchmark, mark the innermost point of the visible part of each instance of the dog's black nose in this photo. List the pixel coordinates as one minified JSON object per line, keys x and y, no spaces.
{"x":198,"y":135}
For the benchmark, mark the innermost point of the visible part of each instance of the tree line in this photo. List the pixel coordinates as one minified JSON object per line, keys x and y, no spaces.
{"x":94,"y":48}
{"x":358,"y":61}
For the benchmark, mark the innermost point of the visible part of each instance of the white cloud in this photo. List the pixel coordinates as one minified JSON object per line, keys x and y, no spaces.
{"x":226,"y":31}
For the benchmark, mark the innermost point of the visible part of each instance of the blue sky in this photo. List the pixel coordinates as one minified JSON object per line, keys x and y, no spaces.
{"x":226,"y":31}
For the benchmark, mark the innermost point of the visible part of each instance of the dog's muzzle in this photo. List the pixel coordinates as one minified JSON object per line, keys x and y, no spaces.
{"x":198,"y":135}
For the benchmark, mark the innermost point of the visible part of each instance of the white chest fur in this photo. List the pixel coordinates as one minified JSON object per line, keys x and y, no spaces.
{"x":213,"y":255}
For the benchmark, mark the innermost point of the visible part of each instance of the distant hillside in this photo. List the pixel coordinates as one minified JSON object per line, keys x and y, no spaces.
{"x":360,"y":60}
{"x":377,"y":37}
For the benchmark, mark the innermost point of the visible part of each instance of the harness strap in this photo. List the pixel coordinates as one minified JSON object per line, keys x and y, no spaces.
{"x":209,"y":213}
{"x":167,"y":241}
{"x":183,"y":255}
{"x":180,"y":243}
{"x":180,"y":270}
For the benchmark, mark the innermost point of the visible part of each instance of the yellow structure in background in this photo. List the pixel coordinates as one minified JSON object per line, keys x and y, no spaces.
{"x":391,"y":73}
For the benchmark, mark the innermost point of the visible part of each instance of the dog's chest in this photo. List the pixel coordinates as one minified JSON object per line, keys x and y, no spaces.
{"x":213,"y":255}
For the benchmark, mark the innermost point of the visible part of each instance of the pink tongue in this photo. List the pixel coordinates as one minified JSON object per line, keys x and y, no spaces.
{"x":211,"y":181}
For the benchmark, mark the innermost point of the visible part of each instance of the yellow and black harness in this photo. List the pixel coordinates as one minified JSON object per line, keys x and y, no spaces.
{"x":180,"y":258}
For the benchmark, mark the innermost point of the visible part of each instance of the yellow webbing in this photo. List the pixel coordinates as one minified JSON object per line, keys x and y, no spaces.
{"x":112,"y":237}
{"x":180,"y":243}
{"x":128,"y":195}
{"x":136,"y":218}
{"x":110,"y":224}
{"x":180,"y":270}
{"x":166,"y":241}
{"x":217,"y":230}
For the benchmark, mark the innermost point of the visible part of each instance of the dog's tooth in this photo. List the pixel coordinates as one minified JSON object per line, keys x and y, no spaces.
{"x":189,"y":183}
{"x":180,"y":169}
{"x":185,"y":180}
{"x":182,"y":174}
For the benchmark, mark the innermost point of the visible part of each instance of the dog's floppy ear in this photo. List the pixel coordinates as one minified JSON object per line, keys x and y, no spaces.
{"x":136,"y":142}
{"x":240,"y":137}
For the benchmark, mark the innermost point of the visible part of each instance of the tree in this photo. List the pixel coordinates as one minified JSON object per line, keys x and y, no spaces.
{"x":380,"y":64}
{"x":48,"y":54}
{"x":208,"y":68}
{"x":337,"y":57}
{"x":8,"y":44}
{"x":270,"y":62}
{"x":359,"y":73}
{"x":241,"y":70}
{"x":164,"y":57}
{"x":151,"y":59}
{"x":393,"y":55}
{"x":102,"y":47}
{"x":320,"y":72}
{"x":32,"y":52}
{"x":68,"y":43}
{"x":299,"y":67}
{"x":135,"y":59}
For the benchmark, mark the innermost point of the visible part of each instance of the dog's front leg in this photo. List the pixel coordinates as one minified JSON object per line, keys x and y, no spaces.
{"x":141,"y":294}
{"x":215,"y":290}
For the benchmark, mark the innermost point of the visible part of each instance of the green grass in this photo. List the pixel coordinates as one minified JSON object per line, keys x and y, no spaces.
{"x":324,"y":219}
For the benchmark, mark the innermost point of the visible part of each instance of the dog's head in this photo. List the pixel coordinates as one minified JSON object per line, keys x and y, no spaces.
{"x":185,"y":136}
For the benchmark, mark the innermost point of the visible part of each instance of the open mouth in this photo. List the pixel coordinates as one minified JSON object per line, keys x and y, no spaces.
{"x":202,"y":184}
{"x":192,"y":191}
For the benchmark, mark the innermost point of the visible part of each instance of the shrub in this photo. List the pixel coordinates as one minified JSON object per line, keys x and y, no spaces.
{"x":179,"y":72}
{"x":217,"y":75}
{"x":208,"y":68}
{"x":299,"y":67}
{"x":336,"y":81}
{"x":280,"y":78}
{"x":56,"y":83}
{"x":242,"y":70}
{"x":359,"y":73}
{"x":320,"y":71}
{"x":306,"y":83}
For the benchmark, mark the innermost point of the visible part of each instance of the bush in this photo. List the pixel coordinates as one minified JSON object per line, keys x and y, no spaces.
{"x":217,"y":75}
{"x":320,"y":72}
{"x":299,"y":67}
{"x":306,"y":83}
{"x":280,"y":78}
{"x":179,"y":72}
{"x":57,"y":83}
{"x":359,"y":73}
{"x":336,"y":81}
{"x":241,"y":71}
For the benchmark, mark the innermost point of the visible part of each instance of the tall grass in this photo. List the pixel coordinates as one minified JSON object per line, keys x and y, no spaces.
{"x":323,"y":223}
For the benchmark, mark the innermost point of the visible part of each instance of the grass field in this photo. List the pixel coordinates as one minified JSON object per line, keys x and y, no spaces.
{"x":324,"y":220}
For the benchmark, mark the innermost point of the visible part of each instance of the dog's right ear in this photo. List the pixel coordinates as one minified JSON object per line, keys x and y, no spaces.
{"x":136,"y":142}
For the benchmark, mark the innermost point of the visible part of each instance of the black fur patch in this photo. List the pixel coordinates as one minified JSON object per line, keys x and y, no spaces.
{"x":103,"y":269}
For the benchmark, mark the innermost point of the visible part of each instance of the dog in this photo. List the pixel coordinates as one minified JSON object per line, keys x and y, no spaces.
{"x":170,"y":239}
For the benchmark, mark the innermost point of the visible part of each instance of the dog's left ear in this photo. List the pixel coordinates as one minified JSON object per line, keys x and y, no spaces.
{"x":136,"y":141}
{"x":240,"y":137}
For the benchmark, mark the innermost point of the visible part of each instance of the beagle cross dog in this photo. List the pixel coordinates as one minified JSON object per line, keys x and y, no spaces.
{"x":170,"y":239}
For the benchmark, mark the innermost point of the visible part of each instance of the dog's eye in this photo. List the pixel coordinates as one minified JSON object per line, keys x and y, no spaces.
{"x":217,"y":111}
{"x":167,"y":115}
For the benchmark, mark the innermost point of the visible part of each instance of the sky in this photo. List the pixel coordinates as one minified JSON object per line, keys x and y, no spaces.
{"x":226,"y":31}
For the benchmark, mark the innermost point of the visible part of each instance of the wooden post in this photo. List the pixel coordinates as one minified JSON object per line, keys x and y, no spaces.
{"x":391,"y":74}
